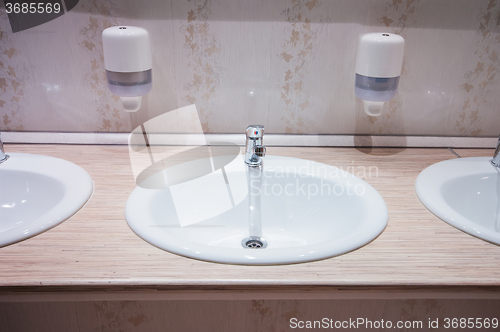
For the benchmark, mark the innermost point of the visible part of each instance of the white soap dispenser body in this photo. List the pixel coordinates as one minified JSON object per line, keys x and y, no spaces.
{"x":128,"y":64}
{"x":378,"y":67}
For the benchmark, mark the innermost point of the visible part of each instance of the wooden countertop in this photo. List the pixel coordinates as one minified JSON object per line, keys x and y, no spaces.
{"x":96,"y":248}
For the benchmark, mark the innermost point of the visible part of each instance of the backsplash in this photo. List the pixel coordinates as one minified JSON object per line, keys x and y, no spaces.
{"x":287,"y":64}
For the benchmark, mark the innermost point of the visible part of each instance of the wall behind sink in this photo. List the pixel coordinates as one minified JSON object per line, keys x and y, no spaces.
{"x":288,"y":64}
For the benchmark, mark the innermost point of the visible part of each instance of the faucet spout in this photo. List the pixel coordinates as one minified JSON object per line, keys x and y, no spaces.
{"x":254,"y":150}
{"x":496,"y":156}
{"x":3,"y":156}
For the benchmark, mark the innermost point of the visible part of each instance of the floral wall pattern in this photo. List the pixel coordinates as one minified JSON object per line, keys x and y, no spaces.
{"x":237,"y":315}
{"x":13,"y":76}
{"x":202,"y":50}
{"x":299,"y":48}
{"x":101,"y":15}
{"x":287,"y":64}
{"x":398,"y":12}
{"x":396,"y":15}
{"x":481,"y":82}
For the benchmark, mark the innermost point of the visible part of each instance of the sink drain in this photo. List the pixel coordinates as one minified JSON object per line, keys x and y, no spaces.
{"x":254,"y":242}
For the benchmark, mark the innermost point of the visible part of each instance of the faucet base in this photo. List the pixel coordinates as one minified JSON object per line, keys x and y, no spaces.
{"x":492,"y":161}
{"x":255,"y":163}
{"x":5,"y":159}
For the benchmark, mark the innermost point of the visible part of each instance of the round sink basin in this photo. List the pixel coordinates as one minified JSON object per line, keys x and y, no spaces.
{"x":305,"y":211}
{"x":465,"y":193}
{"x":38,"y":193}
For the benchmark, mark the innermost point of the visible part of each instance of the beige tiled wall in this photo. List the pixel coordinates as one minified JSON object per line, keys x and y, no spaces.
{"x":287,"y":64}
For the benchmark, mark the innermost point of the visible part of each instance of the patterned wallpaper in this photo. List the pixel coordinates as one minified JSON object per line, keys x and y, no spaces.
{"x":287,"y":64}
{"x":299,"y":50}
{"x":246,"y":315}
{"x":201,"y":49}
{"x":105,"y":106}
{"x":13,"y":76}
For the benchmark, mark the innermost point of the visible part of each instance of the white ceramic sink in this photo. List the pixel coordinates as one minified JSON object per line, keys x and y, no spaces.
{"x":307,"y":211}
{"x":465,"y":193}
{"x":37,"y":193}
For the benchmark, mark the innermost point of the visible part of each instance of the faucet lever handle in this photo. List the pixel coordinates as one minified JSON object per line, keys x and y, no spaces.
{"x":255,"y":131}
{"x":260,"y":151}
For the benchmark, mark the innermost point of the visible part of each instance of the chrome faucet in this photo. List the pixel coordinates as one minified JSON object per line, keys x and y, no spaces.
{"x":254,"y":150}
{"x":3,"y":156}
{"x":496,"y":156}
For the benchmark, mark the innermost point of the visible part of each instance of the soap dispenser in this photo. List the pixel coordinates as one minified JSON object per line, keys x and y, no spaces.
{"x":379,"y":62}
{"x":128,"y":64}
